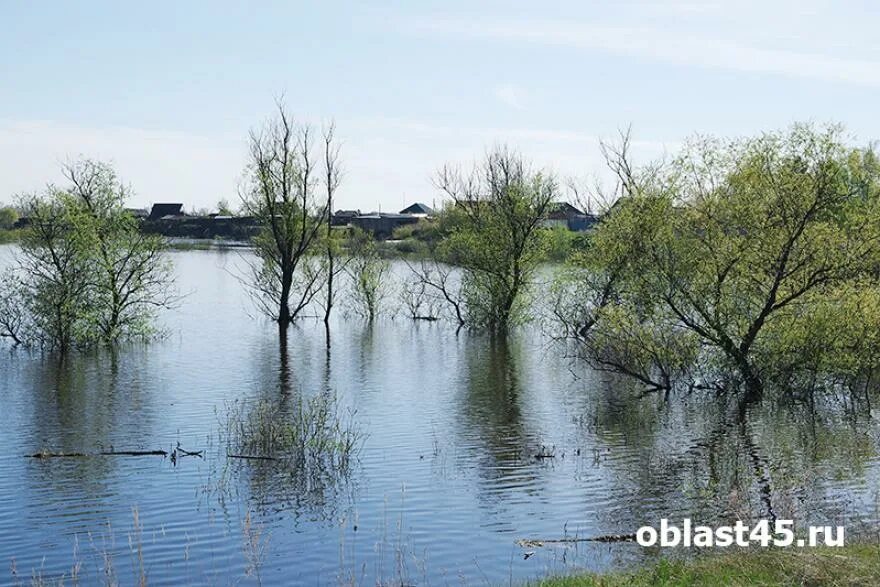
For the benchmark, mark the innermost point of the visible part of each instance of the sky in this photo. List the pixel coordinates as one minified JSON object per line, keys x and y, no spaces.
{"x":167,"y":91}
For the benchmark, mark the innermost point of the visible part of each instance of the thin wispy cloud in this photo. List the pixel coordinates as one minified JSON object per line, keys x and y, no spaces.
{"x":667,"y":45}
{"x":486,"y":135}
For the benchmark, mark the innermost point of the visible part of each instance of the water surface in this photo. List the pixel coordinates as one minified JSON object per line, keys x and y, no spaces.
{"x":447,"y":480}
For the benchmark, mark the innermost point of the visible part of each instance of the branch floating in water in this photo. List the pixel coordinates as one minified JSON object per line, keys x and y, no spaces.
{"x":105,"y":453}
{"x":526,"y":543}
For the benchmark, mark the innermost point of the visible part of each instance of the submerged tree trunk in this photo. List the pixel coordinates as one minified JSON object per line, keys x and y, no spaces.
{"x":752,"y":383}
{"x":284,"y":301}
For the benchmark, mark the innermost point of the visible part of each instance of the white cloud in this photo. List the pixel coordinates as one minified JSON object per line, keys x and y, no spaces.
{"x":670,"y":44}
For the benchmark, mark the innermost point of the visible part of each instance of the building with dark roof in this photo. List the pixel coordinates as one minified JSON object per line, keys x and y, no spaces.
{"x":343,"y":217}
{"x":418,"y":209}
{"x":382,"y":224}
{"x":163,"y":210}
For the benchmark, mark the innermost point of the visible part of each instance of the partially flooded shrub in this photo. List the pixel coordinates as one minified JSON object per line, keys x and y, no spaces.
{"x":310,"y":430}
{"x":296,"y":452}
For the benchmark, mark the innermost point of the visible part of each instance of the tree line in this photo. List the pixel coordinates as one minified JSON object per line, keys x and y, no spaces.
{"x":737,"y":264}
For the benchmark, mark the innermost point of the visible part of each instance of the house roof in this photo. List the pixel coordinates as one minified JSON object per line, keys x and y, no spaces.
{"x":417,"y":208}
{"x":562,"y":208}
{"x":166,"y":209}
{"x":382,"y":215}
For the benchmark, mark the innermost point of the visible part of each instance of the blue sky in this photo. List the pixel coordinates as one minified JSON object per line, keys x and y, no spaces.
{"x":168,"y":90}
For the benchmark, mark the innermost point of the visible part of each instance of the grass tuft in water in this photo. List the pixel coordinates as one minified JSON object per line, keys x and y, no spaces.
{"x":288,"y":453}
{"x":310,"y":432}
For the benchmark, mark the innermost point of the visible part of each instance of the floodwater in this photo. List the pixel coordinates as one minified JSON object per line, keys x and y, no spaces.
{"x":447,"y":480}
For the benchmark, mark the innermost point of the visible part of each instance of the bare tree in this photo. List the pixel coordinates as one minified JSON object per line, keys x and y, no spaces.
{"x":280,"y":191}
{"x":332,"y":179}
{"x":13,"y":315}
{"x":437,"y":283}
{"x":420,"y":302}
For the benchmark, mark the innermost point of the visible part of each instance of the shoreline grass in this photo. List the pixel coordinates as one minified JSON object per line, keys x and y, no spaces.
{"x":857,"y":564}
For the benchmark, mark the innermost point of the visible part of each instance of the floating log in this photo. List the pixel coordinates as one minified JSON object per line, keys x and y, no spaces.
{"x":53,"y":455}
{"x":546,"y":453}
{"x":106,"y":453}
{"x":134,"y":453}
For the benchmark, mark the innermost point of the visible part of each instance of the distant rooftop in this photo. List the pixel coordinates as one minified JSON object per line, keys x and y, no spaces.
{"x":166,"y":209}
{"x":417,"y":208}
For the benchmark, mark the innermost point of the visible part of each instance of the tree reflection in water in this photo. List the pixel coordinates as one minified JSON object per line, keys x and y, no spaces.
{"x":718,"y":460}
{"x":288,"y":450}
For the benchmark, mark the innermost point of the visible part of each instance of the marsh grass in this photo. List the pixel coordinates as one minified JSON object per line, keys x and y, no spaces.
{"x":254,"y":546}
{"x":857,"y":564}
{"x":310,"y":432}
{"x":287,"y":453}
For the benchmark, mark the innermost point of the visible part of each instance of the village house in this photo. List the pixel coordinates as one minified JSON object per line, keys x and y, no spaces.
{"x":165,"y":210}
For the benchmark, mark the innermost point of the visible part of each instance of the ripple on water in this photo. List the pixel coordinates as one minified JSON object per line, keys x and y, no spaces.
{"x":447,"y":480}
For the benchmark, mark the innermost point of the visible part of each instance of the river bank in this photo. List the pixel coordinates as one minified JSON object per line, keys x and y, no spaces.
{"x":852,"y":565}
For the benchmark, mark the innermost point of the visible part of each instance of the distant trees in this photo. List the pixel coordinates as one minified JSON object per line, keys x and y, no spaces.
{"x":224,"y":209}
{"x":85,"y":274}
{"x":495,"y":239}
{"x":8,"y":217}
{"x":722,"y":261}
{"x":281,"y":191}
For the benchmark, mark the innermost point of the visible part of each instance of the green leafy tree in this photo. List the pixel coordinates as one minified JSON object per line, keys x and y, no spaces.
{"x":494,"y":236}
{"x":224,"y":209}
{"x":53,"y":272}
{"x":732,"y":241}
{"x":367,"y":271}
{"x":85,"y":274}
{"x":131,"y":277}
{"x":8,"y":218}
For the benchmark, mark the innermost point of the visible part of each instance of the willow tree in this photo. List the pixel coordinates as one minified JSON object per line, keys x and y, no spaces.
{"x":281,"y":190}
{"x":367,"y":271}
{"x":734,"y":242}
{"x":85,"y":273}
{"x":131,"y":276}
{"x":498,"y":208}
{"x":52,"y":274}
